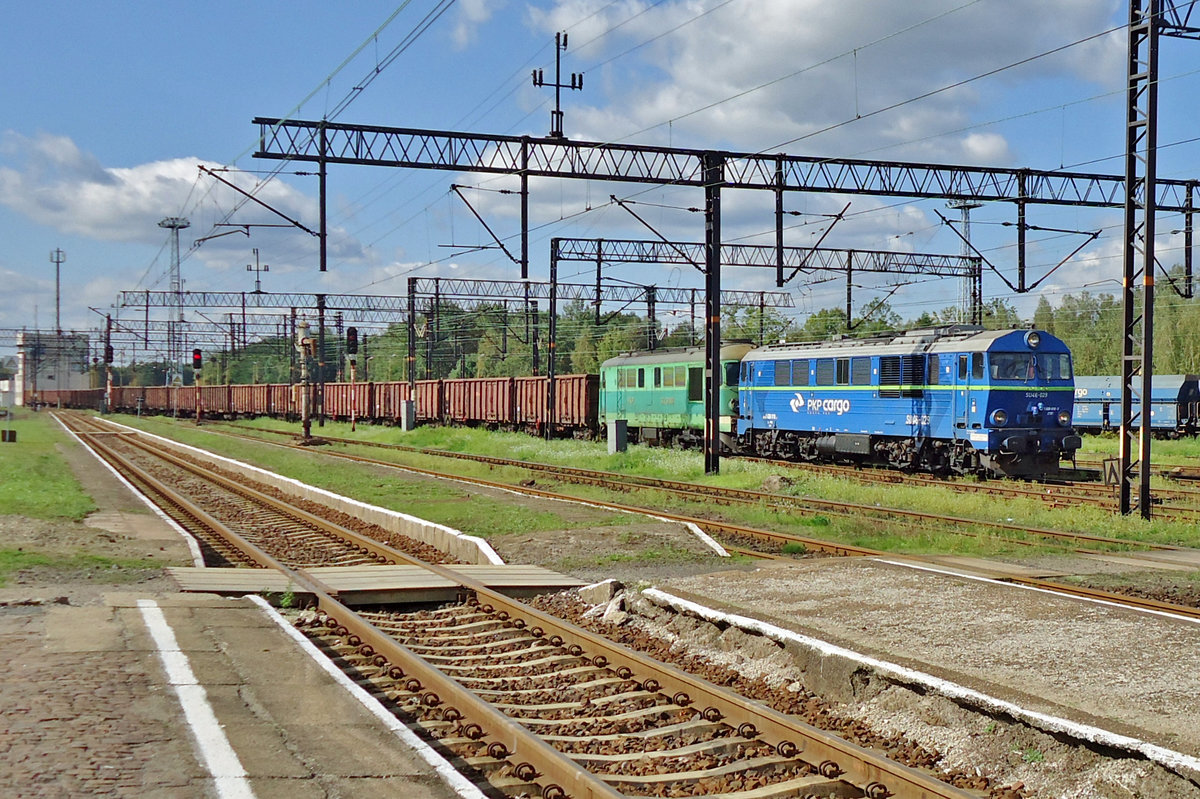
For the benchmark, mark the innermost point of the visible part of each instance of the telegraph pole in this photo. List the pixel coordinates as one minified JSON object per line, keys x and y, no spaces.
{"x":257,"y":269}
{"x":539,"y":80}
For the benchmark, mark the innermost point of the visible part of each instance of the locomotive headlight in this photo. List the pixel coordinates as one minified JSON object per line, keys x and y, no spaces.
{"x":1064,"y":418}
{"x":999,"y":417}
{"x":1033,"y":339}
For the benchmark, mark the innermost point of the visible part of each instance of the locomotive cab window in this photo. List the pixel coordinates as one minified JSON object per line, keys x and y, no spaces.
{"x":976,"y":365}
{"x":1054,"y":366}
{"x":1012,"y":366}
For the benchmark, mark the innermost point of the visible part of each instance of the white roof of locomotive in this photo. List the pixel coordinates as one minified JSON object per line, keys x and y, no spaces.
{"x":951,"y":339}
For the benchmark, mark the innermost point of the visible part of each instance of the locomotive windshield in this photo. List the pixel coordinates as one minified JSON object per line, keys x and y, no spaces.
{"x":1026,"y":366}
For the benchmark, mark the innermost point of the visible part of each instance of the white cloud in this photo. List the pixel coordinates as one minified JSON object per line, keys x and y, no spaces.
{"x":471,"y":15}
{"x":850,"y":59}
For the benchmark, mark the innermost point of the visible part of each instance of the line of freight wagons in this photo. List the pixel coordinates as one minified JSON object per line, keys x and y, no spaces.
{"x":519,"y":403}
{"x":512,"y":403}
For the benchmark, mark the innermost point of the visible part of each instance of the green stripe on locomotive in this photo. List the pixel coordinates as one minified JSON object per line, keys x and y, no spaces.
{"x":664,"y":389}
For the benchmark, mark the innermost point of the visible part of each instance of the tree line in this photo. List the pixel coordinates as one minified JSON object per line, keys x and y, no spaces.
{"x":492,"y":341}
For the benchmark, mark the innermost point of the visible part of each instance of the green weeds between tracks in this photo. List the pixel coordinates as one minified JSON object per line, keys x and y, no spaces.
{"x":34,"y":478}
{"x":444,"y":503}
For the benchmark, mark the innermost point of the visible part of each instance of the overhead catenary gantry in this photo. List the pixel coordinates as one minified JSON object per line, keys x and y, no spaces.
{"x":325,"y":143}
{"x":800,"y":260}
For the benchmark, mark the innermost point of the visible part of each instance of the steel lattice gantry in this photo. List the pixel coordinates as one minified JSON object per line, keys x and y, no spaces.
{"x":325,"y":143}
{"x":799,"y":259}
{"x":1148,"y":19}
{"x":367,"y":307}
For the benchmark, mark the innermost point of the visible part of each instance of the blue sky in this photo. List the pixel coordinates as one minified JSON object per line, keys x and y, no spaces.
{"x":110,"y":107}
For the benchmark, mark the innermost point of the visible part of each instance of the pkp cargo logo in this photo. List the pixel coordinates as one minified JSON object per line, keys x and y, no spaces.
{"x":818,"y":405}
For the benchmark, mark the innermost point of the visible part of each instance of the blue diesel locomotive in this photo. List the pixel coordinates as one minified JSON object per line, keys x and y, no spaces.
{"x":955,"y":399}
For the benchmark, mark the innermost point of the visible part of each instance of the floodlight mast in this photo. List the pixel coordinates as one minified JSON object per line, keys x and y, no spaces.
{"x":174,"y":335}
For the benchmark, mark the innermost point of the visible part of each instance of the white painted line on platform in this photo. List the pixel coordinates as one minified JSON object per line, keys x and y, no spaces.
{"x":229,"y":778}
{"x":456,"y":781}
{"x":1107,"y":602}
{"x":193,"y":547}
{"x":1167,"y":757}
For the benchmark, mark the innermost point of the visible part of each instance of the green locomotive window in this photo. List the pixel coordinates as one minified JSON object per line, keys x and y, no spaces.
{"x":825,"y":372}
{"x":681,"y":376}
{"x":860,"y":371}
{"x":800,"y":372}
{"x":657,"y":377}
{"x":783,"y":373}
{"x":641,"y":378}
{"x":668,"y":376}
{"x":731,"y":373}
{"x":695,"y":384}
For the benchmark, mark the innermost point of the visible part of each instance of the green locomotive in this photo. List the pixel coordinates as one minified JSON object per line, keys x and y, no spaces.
{"x":660,"y":394}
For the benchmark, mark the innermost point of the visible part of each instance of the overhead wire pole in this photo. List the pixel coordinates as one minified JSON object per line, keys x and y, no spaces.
{"x":1147,"y":19}
{"x":1137,"y":357}
{"x":552,"y":348}
{"x":714,"y":176}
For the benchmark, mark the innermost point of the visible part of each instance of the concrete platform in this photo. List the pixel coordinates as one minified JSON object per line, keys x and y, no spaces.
{"x":86,"y":708}
{"x":1129,"y":672}
{"x":374,"y":585}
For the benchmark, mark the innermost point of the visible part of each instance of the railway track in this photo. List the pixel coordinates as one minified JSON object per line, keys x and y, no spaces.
{"x":1171,"y":504}
{"x":765,"y":543}
{"x":531,"y":703}
{"x":1020,"y":535}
